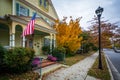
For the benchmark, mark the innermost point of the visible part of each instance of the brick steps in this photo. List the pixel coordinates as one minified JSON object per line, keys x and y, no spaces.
{"x":45,"y":63}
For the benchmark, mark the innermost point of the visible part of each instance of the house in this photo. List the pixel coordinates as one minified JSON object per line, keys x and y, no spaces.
{"x":15,"y":15}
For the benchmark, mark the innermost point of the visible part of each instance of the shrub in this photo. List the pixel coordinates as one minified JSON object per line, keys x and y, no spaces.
{"x":59,"y":50}
{"x":94,"y":48}
{"x":59,"y":56}
{"x":46,"y":49}
{"x":59,"y":53}
{"x":68,"y":52}
{"x":3,"y":51}
{"x":19,"y":60}
{"x":30,"y":53}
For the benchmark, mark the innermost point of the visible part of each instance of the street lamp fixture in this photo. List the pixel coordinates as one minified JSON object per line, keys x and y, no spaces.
{"x":99,"y":13}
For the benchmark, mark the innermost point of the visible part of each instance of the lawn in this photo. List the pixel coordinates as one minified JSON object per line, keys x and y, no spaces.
{"x":101,"y":74}
{"x":74,"y":59}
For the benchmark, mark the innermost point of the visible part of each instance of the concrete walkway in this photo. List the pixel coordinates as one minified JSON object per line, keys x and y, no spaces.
{"x":49,"y":68}
{"x":76,"y":72}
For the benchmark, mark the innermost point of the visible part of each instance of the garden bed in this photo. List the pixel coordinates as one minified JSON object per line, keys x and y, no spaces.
{"x":30,"y":75}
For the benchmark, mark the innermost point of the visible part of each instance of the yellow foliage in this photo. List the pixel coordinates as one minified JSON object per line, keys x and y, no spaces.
{"x":67,"y":34}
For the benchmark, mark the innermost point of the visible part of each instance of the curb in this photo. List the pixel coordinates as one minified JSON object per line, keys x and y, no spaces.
{"x":106,"y":59}
{"x":115,"y":73}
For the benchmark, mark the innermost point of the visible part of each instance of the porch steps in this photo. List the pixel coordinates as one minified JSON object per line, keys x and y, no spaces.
{"x":48,"y":67}
{"x":45,"y":63}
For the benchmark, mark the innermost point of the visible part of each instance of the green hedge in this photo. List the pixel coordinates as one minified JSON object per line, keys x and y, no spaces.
{"x":59,"y":53}
{"x":19,"y":60}
{"x":3,"y":51}
{"x":46,"y":49}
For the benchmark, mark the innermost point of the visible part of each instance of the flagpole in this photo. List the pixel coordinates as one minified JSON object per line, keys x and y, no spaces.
{"x":33,"y":41}
{"x":33,"y":32}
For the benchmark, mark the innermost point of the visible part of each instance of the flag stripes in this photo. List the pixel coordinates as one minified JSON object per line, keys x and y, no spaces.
{"x":30,"y":27}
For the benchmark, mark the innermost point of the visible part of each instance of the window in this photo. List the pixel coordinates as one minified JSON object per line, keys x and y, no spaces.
{"x":38,"y":15}
{"x":46,"y":41}
{"x":45,"y":3}
{"x":49,"y":22}
{"x":21,"y":10}
{"x":40,"y":2}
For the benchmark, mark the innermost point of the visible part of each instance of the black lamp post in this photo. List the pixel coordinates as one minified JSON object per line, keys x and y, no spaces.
{"x":99,"y":13}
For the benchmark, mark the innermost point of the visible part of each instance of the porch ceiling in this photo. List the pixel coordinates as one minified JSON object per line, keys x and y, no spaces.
{"x":36,"y":32}
{"x":40,"y":24}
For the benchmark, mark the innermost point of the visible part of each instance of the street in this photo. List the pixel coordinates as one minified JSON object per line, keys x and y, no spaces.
{"x":114,"y":62}
{"x":114,"y":58}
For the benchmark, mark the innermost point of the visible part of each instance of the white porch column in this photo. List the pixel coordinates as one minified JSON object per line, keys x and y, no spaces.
{"x":13,"y":7}
{"x":50,"y":42}
{"x":54,"y":40}
{"x":13,"y":40}
{"x":23,"y":41}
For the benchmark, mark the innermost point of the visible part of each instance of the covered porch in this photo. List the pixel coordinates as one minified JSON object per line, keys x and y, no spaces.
{"x":11,"y":28}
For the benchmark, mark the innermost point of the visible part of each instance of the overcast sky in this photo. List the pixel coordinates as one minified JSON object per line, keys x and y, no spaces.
{"x":86,"y":9}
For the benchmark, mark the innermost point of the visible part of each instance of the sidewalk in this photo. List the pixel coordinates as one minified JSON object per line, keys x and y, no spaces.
{"x":49,"y":68}
{"x":76,"y":72}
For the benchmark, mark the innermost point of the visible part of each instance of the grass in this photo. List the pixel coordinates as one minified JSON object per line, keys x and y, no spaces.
{"x":101,"y":74}
{"x":74,"y":59}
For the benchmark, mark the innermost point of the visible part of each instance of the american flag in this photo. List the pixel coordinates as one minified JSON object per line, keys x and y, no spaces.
{"x":30,"y":27}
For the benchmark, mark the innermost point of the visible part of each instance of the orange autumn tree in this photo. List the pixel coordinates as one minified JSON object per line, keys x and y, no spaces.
{"x":108,"y":30}
{"x":67,"y":34}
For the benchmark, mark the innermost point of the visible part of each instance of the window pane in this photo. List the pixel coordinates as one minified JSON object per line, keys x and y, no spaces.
{"x":21,"y":10}
{"x":45,"y":4}
{"x":40,"y":2}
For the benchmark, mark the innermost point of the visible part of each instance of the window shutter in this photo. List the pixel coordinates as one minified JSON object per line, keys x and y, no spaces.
{"x":28,"y":12}
{"x":17,"y":9}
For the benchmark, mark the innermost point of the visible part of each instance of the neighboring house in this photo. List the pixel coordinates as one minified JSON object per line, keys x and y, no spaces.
{"x":14,"y":16}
